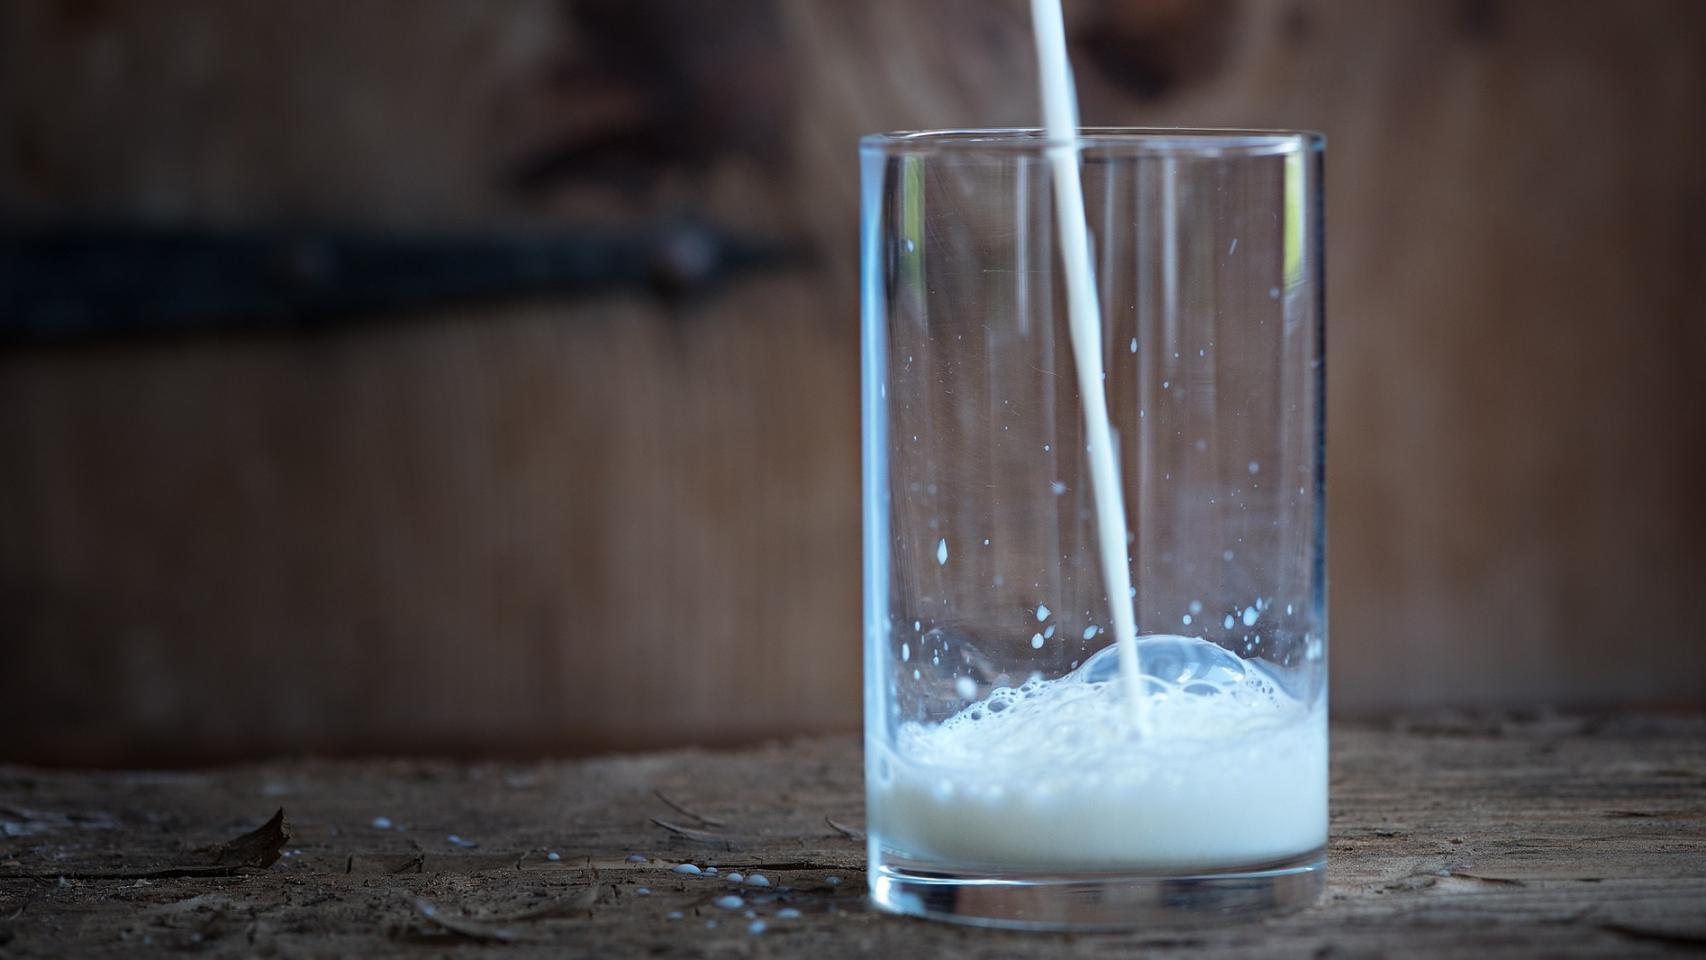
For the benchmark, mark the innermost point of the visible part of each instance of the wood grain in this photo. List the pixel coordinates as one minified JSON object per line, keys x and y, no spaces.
{"x":625,"y":522}
{"x":1495,"y":835}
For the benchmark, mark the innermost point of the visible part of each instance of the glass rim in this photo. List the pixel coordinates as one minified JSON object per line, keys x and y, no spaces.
{"x":1145,"y":141}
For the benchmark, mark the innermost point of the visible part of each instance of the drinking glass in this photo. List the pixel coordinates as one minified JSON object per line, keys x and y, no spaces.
{"x":1015,"y":774}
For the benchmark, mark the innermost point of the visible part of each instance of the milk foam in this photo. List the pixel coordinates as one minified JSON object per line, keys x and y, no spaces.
{"x":1231,"y":771}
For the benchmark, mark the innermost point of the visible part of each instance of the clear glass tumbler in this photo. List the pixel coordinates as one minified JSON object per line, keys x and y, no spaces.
{"x":1015,"y":774}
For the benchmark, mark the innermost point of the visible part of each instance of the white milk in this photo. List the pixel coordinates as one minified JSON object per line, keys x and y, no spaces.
{"x":1051,"y":775}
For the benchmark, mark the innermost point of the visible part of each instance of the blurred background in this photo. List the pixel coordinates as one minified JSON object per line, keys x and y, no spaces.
{"x":482,"y":379}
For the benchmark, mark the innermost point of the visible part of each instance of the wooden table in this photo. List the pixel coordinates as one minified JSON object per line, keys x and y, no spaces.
{"x":1451,"y":835}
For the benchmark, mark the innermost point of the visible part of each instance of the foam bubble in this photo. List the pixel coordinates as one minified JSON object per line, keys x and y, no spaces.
{"x":1195,"y":689}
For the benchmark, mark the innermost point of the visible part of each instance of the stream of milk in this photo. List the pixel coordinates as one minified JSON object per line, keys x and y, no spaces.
{"x":1084,"y":319}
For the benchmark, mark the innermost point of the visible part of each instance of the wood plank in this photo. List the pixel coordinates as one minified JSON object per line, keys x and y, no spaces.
{"x":490,"y":529}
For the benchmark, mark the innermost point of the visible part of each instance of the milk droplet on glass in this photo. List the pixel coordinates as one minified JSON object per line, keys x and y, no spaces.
{"x":1042,"y":612}
{"x":1249,"y":616}
{"x":942,"y":553}
{"x":1036,"y":641}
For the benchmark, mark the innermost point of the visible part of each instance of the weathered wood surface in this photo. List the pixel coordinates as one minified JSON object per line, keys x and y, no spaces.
{"x":1451,"y":836}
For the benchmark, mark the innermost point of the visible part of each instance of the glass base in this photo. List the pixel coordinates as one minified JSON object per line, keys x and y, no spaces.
{"x":1098,"y":901}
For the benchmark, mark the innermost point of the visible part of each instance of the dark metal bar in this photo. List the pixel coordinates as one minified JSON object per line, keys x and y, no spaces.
{"x":67,"y":285}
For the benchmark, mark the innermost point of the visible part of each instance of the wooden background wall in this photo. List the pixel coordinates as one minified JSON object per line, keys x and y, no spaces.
{"x":618,"y":522}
